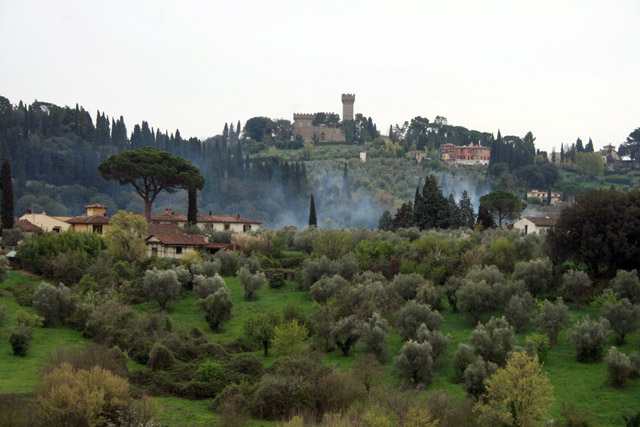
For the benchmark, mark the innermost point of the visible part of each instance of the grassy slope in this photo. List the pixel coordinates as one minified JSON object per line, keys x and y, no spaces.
{"x":582,"y":384}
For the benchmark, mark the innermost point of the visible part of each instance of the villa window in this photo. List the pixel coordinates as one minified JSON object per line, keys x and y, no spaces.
{"x":227,"y":227}
{"x":178,"y":251}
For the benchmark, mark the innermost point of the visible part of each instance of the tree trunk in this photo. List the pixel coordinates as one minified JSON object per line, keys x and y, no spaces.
{"x":266,"y":348}
{"x":147,"y":211}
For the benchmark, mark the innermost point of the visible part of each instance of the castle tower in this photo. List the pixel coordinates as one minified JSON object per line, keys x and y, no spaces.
{"x":347,"y":106}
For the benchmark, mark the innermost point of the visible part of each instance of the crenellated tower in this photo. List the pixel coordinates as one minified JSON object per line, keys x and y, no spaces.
{"x":347,"y":106}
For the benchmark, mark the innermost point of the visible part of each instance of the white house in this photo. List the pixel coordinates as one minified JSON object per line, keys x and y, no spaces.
{"x":534,"y":224}
{"x":236,"y":223}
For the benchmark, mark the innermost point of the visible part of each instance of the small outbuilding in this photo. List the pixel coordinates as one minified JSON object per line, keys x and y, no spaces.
{"x":534,"y":224}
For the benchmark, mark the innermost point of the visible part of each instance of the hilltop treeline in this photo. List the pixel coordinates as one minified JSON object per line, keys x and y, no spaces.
{"x":62,"y":147}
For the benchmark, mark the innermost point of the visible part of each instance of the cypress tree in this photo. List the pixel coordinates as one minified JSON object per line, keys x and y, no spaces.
{"x":313,"y":219}
{"x":345,"y":182}
{"x":238,"y":128}
{"x":467,"y":215}
{"x":579,"y":147}
{"x":454,"y":213}
{"x":6,"y":184}
{"x":225,"y":132}
{"x":192,"y":209}
{"x":589,"y":147}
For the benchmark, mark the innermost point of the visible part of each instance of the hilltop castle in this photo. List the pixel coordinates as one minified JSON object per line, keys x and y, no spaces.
{"x":330,"y":130}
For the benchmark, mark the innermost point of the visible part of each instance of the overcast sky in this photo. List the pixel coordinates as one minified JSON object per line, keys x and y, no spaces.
{"x":561,"y":69}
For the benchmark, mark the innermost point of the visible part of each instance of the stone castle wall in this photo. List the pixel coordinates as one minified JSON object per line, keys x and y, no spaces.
{"x":302,"y":126}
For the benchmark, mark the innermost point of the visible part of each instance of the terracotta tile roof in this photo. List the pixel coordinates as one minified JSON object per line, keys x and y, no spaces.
{"x":96,"y":205}
{"x":219,"y":245}
{"x":25,"y":226}
{"x":93,"y":219}
{"x":542,"y":221}
{"x":164,"y":229}
{"x":180,"y":239}
{"x":228,"y":219}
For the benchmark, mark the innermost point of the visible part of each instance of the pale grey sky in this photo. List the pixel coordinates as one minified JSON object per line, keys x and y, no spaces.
{"x":562,"y":69}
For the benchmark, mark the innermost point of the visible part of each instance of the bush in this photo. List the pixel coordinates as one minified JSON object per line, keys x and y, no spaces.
{"x":251,"y":282}
{"x":589,"y":339}
{"x":161,"y":286}
{"x":244,"y":368}
{"x":276,"y":281}
{"x":552,"y":319}
{"x":624,"y":317}
{"x":23,"y":293}
{"x":415,"y":363}
{"x":494,"y":341}
{"x":373,"y":336}
{"x":209,"y":371}
{"x":619,"y":367}
{"x":413,"y":314}
{"x":462,"y":358}
{"x":203,"y":286}
{"x":576,"y":285}
{"x":52,"y":302}
{"x":83,"y":397}
{"x":161,"y":359}
{"x":326,"y":287}
{"x":289,"y":338}
{"x":475,"y":298}
{"x":627,"y":285}
{"x":540,"y":343}
{"x":20,"y":340}
{"x":217,"y":307}
{"x":406,"y":285}
{"x":476,"y":374}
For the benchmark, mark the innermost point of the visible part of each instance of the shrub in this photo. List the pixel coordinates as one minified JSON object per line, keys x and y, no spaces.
{"x":217,"y":307}
{"x":576,"y":285}
{"x":475,"y":299}
{"x":326,"y":287}
{"x":373,"y":336}
{"x":540,"y":343}
{"x":476,"y":374}
{"x":494,"y":341}
{"x":438,"y":341}
{"x":619,"y":367}
{"x":276,"y":281}
{"x":406,"y":285}
{"x":413,"y":314}
{"x":462,"y":358}
{"x":160,"y":359}
{"x":537,"y":275}
{"x":161,"y":286}
{"x":552,"y":319}
{"x":20,"y":340}
{"x":293,"y":311}
{"x":415,"y":363}
{"x":244,"y":368}
{"x":518,"y":309}
{"x":203,"y":286}
{"x":589,"y":339}
{"x":23,"y":293}
{"x":251,"y":282}
{"x":83,"y":397}
{"x":627,"y":285}
{"x":289,"y":338}
{"x":52,"y":302}
{"x":346,"y":332}
{"x":624,"y":317}
{"x":209,"y":371}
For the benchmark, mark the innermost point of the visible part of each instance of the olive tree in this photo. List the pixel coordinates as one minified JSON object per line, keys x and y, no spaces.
{"x":537,"y":275}
{"x":373,"y":336}
{"x":52,"y":302}
{"x":251,"y":282}
{"x":475,"y":298}
{"x":438,"y":341}
{"x":413,"y":314}
{"x":346,"y":332}
{"x":623,"y":316}
{"x":326,"y":287}
{"x":627,"y":285}
{"x":476,"y":374}
{"x":415,"y":363}
{"x":204,"y":286}
{"x":576,"y":285}
{"x":552,"y":319}
{"x":518,"y":311}
{"x":589,"y":338}
{"x":217,"y":307}
{"x":494,"y":340}
{"x":406,"y":285}
{"x":161,"y":285}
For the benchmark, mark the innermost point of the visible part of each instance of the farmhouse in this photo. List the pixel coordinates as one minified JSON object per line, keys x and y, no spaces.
{"x":46,"y":222}
{"x":236,"y":223}
{"x":544,"y":195}
{"x":170,"y":241}
{"x":95,"y":220}
{"x":466,"y":154}
{"x":534,"y":224}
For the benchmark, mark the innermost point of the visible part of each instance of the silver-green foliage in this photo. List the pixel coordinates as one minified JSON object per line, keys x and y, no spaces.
{"x":217,"y":307}
{"x":552,"y":319}
{"x":589,"y":338}
{"x":518,"y":310}
{"x":576,"y":285}
{"x":406,"y":285}
{"x":619,"y":367}
{"x":52,"y":302}
{"x":251,"y":281}
{"x":161,"y":285}
{"x":475,"y":298}
{"x":494,"y":340}
{"x":627,"y":285}
{"x":537,"y":275}
{"x":373,"y":336}
{"x":413,"y":314}
{"x":415,"y":362}
{"x":475,"y":375}
{"x":326,"y":287}
{"x":206,"y":268}
{"x":438,"y":341}
{"x":623,"y":316}
{"x":204,"y":286}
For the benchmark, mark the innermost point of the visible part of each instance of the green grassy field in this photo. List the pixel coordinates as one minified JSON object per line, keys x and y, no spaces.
{"x":584,"y":385}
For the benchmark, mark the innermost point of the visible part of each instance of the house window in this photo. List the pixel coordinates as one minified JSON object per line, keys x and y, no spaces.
{"x":97,"y":228}
{"x":56,"y":229}
{"x":154,"y":251}
{"x":526,"y":229}
{"x":227,"y":226}
{"x":246,"y":227}
{"x":178,"y":251}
